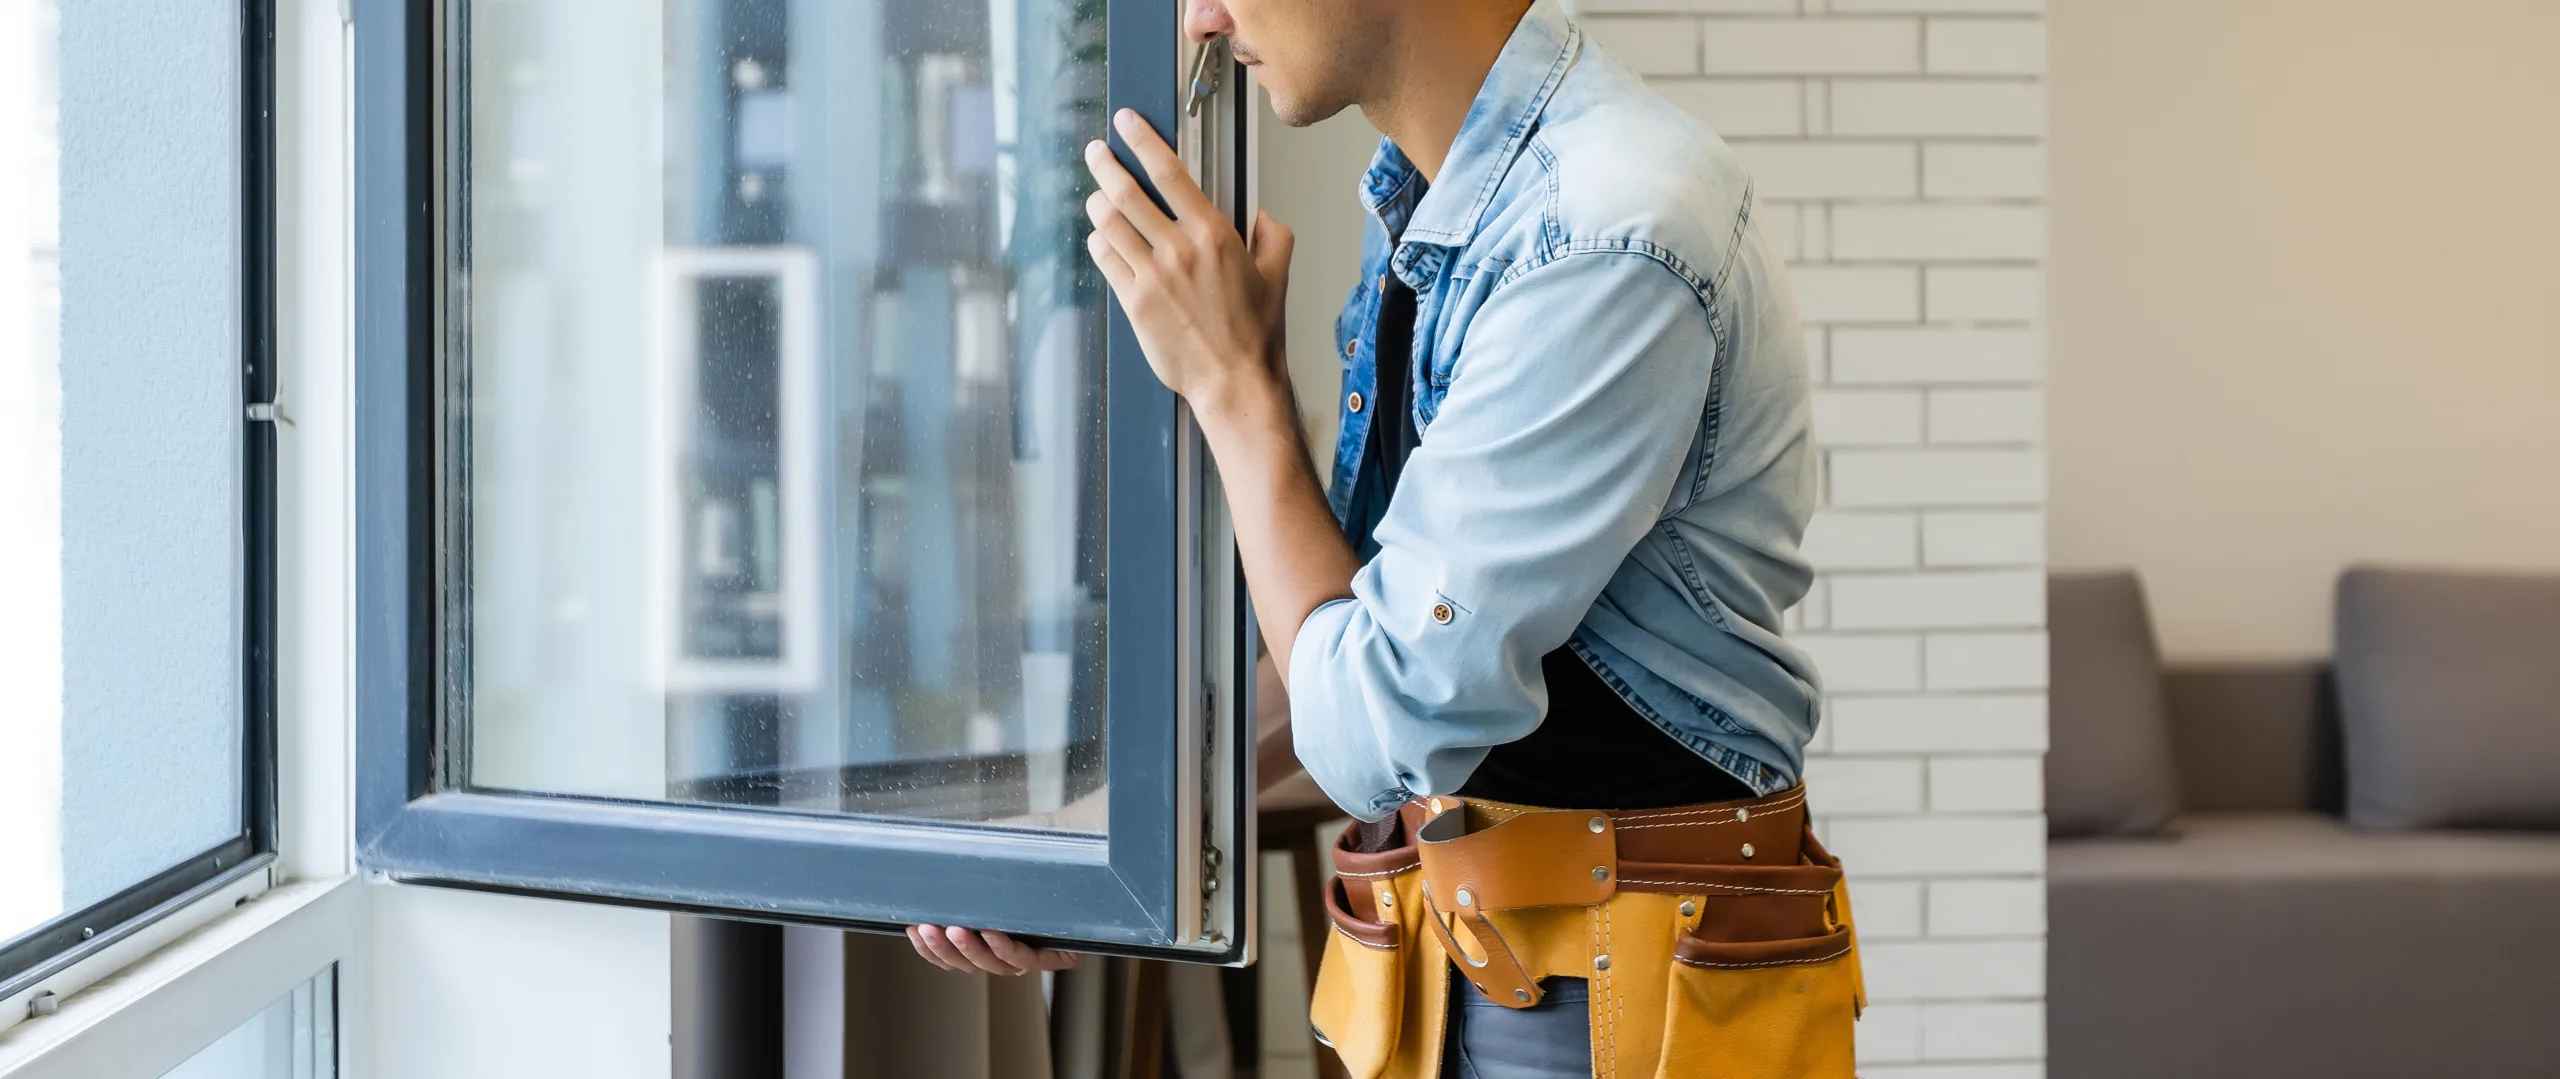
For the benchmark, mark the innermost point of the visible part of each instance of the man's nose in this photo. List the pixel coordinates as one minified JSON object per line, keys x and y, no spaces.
{"x":1205,"y":19}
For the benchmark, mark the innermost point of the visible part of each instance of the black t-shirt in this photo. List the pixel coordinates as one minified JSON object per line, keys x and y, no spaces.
{"x":1593,"y":751}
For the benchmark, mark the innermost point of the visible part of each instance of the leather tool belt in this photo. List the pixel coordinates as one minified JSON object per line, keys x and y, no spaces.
{"x":1717,"y":938}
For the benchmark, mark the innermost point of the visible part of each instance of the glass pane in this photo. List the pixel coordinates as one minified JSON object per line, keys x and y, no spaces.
{"x":120,"y":446}
{"x":294,"y":1038}
{"x":784,"y":368}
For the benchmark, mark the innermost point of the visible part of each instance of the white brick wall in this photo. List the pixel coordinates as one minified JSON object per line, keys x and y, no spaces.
{"x":1899,"y":147}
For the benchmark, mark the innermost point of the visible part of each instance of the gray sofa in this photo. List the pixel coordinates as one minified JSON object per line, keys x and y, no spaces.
{"x":2309,"y":869}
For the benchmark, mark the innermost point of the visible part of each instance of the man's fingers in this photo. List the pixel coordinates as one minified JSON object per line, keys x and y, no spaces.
{"x":1164,"y":166}
{"x":1123,"y":191}
{"x":977,"y":952}
{"x":930,"y":943}
{"x":1272,"y":245}
{"x":1027,"y":957}
{"x":1112,"y":225}
{"x":1115,"y":270}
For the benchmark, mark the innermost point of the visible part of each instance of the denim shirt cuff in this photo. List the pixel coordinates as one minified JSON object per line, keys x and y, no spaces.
{"x":1336,"y":740}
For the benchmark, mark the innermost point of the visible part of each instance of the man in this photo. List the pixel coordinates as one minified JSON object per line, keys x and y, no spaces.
{"x":1549,"y":570}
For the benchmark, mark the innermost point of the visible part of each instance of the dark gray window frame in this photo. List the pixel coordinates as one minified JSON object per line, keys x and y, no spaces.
{"x":56,"y":945}
{"x":1122,"y":894}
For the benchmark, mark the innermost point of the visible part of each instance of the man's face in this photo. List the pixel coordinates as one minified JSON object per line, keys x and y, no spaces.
{"x":1310,"y":55}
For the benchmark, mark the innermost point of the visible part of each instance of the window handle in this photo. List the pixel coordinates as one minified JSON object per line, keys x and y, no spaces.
{"x":1205,"y":74}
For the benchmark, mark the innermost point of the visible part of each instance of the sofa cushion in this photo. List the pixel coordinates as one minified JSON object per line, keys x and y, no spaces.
{"x":2449,"y":697}
{"x":2271,"y":945}
{"x":2109,"y":770}
{"x":2255,"y":735}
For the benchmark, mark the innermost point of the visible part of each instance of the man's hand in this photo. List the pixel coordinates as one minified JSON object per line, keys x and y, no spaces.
{"x":969,"y":951}
{"x":1207,"y":311}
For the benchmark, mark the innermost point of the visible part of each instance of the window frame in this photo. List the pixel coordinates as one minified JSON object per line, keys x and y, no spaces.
{"x":37,"y":960}
{"x":1172,"y":876}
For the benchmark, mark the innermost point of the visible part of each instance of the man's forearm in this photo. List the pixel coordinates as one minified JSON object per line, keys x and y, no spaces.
{"x":1295,"y":558}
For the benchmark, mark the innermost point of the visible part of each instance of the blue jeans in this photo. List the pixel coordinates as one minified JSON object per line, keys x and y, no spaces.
{"x":1549,"y":1040}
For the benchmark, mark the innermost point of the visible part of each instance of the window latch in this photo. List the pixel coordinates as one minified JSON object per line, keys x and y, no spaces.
{"x":268,"y":412}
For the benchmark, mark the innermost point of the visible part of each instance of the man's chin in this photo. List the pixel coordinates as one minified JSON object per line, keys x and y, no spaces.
{"x":1297,"y":112}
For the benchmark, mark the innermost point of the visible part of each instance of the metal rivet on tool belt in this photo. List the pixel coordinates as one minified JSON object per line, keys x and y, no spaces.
{"x":1465,"y":899}
{"x":1387,"y":900}
{"x":1600,"y":963}
{"x":1687,"y":908}
{"x":1522,"y":995}
{"x":1441,"y":613}
{"x":1356,"y":401}
{"x":1739,"y":815}
{"x":1599,"y":824}
{"x":1746,"y":850}
{"x":1599,"y":872}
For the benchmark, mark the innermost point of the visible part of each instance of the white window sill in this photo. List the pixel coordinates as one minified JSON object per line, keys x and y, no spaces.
{"x":152,"y":1014}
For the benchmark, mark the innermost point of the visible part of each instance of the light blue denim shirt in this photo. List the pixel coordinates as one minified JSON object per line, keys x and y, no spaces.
{"x":1609,"y":380}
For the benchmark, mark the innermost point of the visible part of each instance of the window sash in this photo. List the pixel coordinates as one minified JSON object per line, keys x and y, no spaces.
{"x":65,"y":941}
{"x":1150,"y":886}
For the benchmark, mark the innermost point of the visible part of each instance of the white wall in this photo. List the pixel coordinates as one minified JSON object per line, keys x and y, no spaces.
{"x":2302,"y":299}
{"x":1310,"y":181}
{"x":496,"y":987}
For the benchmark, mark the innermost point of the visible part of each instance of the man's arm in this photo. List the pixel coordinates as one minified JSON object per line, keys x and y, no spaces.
{"x":1573,"y":407}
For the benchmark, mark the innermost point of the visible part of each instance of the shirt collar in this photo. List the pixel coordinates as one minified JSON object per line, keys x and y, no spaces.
{"x":1506,"y":109}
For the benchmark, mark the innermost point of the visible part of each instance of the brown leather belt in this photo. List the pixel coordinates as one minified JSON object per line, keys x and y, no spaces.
{"x":1754,"y":861}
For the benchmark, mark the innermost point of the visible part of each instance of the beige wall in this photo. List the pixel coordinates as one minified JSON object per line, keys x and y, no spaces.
{"x":1310,"y":180}
{"x":2305,"y":299}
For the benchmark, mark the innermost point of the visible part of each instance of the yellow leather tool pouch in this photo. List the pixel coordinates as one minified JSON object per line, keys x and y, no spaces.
{"x":1384,"y":978}
{"x":1717,"y":939}
{"x":1765,"y":982}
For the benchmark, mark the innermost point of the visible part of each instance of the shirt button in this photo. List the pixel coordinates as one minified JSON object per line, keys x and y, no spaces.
{"x":1382,"y":282}
{"x":1353,"y":349}
{"x":1441,"y":613}
{"x":1356,"y":401}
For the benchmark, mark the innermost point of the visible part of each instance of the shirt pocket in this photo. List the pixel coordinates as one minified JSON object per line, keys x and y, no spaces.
{"x":1346,"y":326}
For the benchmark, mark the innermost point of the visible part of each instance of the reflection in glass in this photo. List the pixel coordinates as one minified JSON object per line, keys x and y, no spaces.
{"x":294,"y":1038}
{"x":784,"y":373}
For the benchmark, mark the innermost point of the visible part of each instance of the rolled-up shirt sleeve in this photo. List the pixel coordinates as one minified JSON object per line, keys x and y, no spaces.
{"x":1575,"y":396}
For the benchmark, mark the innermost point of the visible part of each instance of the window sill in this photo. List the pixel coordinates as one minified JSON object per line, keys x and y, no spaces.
{"x":148,"y":1017}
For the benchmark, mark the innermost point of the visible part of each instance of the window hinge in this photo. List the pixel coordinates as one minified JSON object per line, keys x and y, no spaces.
{"x":1210,"y":859}
{"x":1210,"y":856}
{"x":268,"y":412}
